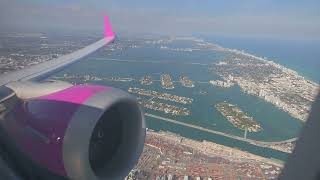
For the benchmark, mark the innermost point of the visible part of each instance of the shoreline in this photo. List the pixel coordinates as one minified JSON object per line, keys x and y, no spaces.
{"x":199,"y":145}
{"x":275,"y":145}
{"x":269,"y":76}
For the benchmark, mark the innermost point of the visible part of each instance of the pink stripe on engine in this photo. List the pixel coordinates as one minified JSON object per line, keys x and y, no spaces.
{"x":75,"y":94}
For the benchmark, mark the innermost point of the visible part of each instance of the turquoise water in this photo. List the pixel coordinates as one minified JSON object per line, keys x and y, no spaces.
{"x":277,"y":125}
{"x":300,"y":55}
{"x":200,"y":135}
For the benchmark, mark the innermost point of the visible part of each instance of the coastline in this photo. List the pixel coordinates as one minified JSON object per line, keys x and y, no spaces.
{"x":290,"y":81}
{"x":207,"y":147}
{"x":277,"y":145}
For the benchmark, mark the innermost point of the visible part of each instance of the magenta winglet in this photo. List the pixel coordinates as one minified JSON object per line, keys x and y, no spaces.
{"x":108,"y":28}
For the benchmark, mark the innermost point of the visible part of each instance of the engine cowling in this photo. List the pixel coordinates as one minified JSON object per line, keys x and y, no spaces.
{"x":78,"y":132}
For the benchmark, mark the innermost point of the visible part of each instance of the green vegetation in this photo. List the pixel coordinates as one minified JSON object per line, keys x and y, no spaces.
{"x":237,"y":117}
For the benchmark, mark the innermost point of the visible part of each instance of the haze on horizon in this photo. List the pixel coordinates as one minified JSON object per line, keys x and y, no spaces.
{"x":288,"y":19}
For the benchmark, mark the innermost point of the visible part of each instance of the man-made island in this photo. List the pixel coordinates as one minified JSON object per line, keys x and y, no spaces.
{"x":166,"y":81}
{"x":186,"y":82}
{"x":163,"y":96}
{"x":146,"y":80}
{"x":166,"y":108}
{"x":237,"y":117}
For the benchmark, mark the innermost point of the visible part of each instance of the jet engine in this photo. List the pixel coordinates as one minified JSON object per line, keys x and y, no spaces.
{"x":71,"y":131}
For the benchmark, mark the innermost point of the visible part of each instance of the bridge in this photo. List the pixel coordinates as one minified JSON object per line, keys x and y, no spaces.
{"x":251,"y":141}
{"x":150,"y":61}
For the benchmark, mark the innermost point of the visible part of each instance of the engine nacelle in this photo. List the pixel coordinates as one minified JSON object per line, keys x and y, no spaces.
{"x":78,"y":132}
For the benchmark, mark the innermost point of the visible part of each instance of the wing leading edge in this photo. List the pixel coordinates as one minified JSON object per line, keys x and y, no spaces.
{"x":45,"y":69}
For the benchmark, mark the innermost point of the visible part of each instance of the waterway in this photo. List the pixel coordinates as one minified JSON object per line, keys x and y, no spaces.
{"x":277,"y":125}
{"x":300,"y":55}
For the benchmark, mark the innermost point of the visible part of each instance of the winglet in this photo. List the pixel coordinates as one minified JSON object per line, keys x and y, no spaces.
{"x":107,"y":28}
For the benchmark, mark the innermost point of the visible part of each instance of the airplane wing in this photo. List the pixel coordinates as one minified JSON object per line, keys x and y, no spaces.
{"x":45,"y":69}
{"x":56,"y":130}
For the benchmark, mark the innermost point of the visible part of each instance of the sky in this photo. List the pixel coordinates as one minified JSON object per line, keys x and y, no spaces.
{"x":285,"y":19}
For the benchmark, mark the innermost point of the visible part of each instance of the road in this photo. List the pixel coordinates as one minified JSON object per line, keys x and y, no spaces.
{"x":254,"y":142}
{"x":148,"y":61}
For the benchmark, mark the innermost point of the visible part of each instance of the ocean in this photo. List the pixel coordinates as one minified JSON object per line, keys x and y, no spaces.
{"x":277,"y":125}
{"x":302,"y":56}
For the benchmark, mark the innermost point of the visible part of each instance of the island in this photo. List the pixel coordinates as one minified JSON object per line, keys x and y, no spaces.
{"x":166,"y":81}
{"x":237,"y":117}
{"x":166,"y":108}
{"x":186,"y":82}
{"x":146,"y":80}
{"x":163,"y":96}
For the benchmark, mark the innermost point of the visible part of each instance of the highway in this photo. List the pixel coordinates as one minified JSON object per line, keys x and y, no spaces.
{"x":148,"y":61}
{"x":254,"y":142}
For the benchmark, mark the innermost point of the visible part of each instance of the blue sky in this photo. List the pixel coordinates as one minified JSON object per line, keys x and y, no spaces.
{"x":288,"y":19}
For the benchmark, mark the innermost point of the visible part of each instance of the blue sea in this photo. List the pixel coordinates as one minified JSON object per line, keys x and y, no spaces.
{"x":302,"y":56}
{"x":278,"y":125}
